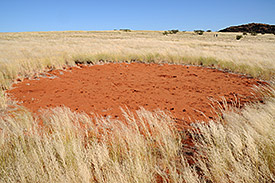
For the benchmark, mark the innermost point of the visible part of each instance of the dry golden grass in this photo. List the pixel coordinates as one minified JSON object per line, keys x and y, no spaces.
{"x":249,"y":50}
{"x":28,"y":52}
{"x":72,"y":148}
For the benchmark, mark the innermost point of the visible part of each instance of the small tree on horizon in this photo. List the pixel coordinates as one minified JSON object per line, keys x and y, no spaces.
{"x":199,"y":32}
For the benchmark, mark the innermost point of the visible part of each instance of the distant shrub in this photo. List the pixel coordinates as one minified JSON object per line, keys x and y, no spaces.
{"x":244,"y":33}
{"x":253,"y":33}
{"x":173,"y":31}
{"x":165,"y":33}
{"x":125,"y":30}
{"x":238,"y":37}
{"x":199,"y":32}
{"x":208,"y":31}
{"x":196,"y":31}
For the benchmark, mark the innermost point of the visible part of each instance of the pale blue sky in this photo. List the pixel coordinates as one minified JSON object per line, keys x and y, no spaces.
{"x":60,"y":15}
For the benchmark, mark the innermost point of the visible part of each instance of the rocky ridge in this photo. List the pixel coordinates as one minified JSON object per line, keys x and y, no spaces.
{"x":251,"y":27}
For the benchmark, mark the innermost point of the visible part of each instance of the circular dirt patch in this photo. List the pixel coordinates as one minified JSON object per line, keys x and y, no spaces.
{"x":102,"y":89}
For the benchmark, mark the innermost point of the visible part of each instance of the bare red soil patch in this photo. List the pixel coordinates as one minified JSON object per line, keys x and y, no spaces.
{"x":103,"y":89}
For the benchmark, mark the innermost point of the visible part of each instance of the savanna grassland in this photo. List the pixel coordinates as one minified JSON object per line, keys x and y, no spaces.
{"x":73,"y":147}
{"x":30,"y":51}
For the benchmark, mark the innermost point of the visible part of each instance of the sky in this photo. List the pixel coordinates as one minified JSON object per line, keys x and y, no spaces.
{"x":88,"y":15}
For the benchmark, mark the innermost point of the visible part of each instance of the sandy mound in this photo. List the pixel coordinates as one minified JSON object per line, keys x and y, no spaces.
{"x":183,"y":90}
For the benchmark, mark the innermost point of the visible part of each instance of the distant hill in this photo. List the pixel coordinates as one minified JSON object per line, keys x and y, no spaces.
{"x":252,"y":27}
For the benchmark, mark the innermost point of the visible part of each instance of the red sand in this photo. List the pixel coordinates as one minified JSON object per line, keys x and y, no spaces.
{"x":102,"y":89}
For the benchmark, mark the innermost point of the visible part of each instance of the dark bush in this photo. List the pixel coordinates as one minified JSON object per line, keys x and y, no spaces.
{"x":125,"y":30}
{"x":199,"y":32}
{"x":253,"y":33}
{"x":208,"y":31}
{"x":173,"y":31}
{"x":165,"y":33}
{"x":238,"y":37}
{"x":244,"y":33}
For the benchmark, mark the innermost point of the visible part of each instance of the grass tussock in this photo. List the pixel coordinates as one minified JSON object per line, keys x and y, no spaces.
{"x":144,"y":147}
{"x":75,"y":149}
{"x":241,"y":149}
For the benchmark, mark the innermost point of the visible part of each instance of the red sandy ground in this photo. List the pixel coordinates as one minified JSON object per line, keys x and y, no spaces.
{"x":103,"y":89}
